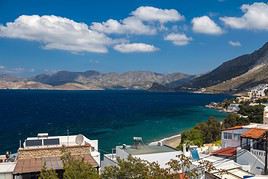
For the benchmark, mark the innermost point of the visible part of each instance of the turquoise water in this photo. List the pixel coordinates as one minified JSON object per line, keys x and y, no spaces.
{"x":112,"y":117}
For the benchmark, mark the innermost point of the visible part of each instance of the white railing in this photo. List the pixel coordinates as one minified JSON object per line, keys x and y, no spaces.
{"x":110,"y":156}
{"x":259,"y":153}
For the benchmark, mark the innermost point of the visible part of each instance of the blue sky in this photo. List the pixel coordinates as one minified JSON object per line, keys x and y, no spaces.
{"x":166,"y":36}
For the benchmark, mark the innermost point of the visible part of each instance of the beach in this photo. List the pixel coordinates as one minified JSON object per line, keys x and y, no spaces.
{"x":172,"y":141}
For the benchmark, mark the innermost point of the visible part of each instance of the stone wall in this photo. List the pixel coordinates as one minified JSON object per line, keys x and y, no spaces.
{"x":52,"y":152}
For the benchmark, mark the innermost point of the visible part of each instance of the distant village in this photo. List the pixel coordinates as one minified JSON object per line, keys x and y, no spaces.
{"x":242,"y":152}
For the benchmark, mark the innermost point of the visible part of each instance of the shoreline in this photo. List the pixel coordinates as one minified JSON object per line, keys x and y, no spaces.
{"x":171,"y":141}
{"x":174,"y":140}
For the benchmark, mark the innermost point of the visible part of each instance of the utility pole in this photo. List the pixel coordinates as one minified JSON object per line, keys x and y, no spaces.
{"x":266,"y":140}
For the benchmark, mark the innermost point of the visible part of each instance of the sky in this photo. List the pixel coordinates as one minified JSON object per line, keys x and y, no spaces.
{"x":165,"y":36}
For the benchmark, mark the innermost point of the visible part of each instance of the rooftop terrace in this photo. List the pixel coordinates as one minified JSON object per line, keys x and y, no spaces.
{"x":147,"y":149}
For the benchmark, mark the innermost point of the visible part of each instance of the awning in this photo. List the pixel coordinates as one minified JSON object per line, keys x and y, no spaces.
{"x":34,"y":165}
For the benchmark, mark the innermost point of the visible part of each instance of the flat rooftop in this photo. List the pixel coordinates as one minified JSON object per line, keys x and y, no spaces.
{"x":148,"y":149}
{"x":51,"y":141}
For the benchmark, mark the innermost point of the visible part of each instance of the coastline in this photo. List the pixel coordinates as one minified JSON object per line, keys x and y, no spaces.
{"x":171,"y":141}
{"x":175,"y":140}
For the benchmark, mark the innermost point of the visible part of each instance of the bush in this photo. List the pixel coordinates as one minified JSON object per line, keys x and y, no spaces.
{"x":205,"y":132}
{"x":234,"y":120}
{"x":48,"y":173}
{"x":254,"y":113}
{"x":211,"y":130}
{"x":192,"y":137}
{"x":77,"y":168}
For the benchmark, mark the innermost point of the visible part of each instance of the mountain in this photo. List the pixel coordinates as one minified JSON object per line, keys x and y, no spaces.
{"x":23,"y":85}
{"x":10,"y":78}
{"x":62,"y":77}
{"x":97,"y":80}
{"x":237,"y":74}
{"x":158,"y":88}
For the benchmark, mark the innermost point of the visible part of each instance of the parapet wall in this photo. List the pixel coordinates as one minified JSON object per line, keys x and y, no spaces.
{"x":52,"y":151}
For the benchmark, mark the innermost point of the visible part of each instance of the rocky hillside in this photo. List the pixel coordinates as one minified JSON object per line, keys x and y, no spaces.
{"x":253,"y":77}
{"x":94,"y":79}
{"x":237,"y":74}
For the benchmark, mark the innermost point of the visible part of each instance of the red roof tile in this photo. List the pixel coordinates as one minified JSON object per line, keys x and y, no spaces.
{"x":227,"y":152}
{"x":254,"y":133}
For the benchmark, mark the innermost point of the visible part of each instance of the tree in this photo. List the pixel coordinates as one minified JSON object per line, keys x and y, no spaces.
{"x":48,"y":173}
{"x":139,"y":169}
{"x":185,"y":165}
{"x":192,"y":137}
{"x":226,"y":103}
{"x":233,"y":120}
{"x":210,"y":130}
{"x":254,"y":113}
{"x":266,"y":92}
{"x":77,"y":168}
{"x":134,"y":168}
{"x":131,"y":167}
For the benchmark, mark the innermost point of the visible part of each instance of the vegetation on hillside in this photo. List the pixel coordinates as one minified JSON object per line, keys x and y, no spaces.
{"x":205,"y":132}
{"x":254,"y":113}
{"x":234,"y":120}
{"x":210,"y":131}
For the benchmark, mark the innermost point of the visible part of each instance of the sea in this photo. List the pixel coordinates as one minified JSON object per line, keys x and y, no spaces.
{"x":113,"y":117}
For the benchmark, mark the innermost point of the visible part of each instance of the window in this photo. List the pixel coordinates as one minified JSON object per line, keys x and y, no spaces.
{"x":237,"y":136}
{"x":227,"y":135}
{"x":55,"y":141}
{"x":32,"y":143}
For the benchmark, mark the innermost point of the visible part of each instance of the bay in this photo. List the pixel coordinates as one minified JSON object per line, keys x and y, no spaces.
{"x":113,"y":117}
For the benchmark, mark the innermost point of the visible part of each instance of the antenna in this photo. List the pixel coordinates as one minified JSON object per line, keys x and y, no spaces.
{"x":67,"y":137}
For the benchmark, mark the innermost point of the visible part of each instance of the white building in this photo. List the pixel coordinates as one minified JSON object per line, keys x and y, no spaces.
{"x":151,"y":153}
{"x":6,"y":170}
{"x":232,"y":169}
{"x":233,"y":108}
{"x":7,"y":165}
{"x":258,"y":91}
{"x":265,"y":115}
{"x":43,"y":140}
{"x":249,"y":141}
{"x":47,"y":150}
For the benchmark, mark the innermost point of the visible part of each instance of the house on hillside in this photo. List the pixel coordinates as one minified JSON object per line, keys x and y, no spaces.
{"x":233,"y":108}
{"x":258,"y":91}
{"x":247,"y":143}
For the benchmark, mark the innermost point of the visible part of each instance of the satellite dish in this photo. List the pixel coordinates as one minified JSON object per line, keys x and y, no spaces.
{"x":79,"y":139}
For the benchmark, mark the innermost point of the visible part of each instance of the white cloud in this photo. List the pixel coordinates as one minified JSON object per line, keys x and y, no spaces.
{"x":56,"y":33}
{"x":234,"y":43}
{"x":130,"y":25}
{"x":255,"y":17}
{"x":206,"y":26}
{"x":148,"y":13}
{"x":140,"y":21}
{"x":135,"y":47}
{"x":178,"y":38}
